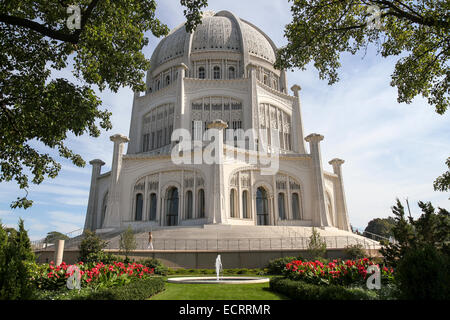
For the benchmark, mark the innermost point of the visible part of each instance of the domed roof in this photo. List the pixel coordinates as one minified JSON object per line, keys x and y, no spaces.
{"x":218,"y":32}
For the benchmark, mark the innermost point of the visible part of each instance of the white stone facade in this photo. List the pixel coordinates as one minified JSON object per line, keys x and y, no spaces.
{"x":224,"y":70}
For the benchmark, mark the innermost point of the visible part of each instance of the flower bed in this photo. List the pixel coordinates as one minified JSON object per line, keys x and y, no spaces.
{"x":95,"y":275}
{"x":337,"y":272}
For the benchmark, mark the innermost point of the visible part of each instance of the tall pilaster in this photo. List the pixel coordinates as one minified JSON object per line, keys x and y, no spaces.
{"x":341,"y":205}
{"x":219,"y":214}
{"x":91,"y":214}
{"x":182,"y":116}
{"x":299,"y":143}
{"x":112,"y":218}
{"x":320,"y":218}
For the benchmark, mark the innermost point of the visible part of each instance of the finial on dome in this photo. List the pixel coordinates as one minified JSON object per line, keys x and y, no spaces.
{"x":208,"y":13}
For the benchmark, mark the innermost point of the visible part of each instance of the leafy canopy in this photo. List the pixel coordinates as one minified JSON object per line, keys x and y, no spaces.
{"x":381,"y":226}
{"x":38,"y":109}
{"x":415,"y":31}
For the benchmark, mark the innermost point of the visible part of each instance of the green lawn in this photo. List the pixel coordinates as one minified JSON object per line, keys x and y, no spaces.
{"x":256,"y":291}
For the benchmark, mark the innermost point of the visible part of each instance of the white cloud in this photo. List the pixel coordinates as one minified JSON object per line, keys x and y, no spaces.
{"x":66,"y":217}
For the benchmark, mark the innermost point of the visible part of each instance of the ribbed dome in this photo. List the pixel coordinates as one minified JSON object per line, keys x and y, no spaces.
{"x":217,"y":32}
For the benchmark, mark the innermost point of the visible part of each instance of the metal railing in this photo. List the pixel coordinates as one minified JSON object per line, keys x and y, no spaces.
{"x":370,"y":235}
{"x":42,"y":244}
{"x":246,"y":244}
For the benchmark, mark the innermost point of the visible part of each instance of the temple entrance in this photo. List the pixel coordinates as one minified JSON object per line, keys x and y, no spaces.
{"x":172,"y":207}
{"x":262,"y":207}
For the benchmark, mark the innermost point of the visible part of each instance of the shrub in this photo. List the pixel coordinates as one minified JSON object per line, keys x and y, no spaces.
{"x":355,"y":251}
{"x":299,"y":290}
{"x":317,"y":247}
{"x":17,"y":263}
{"x":155,"y":264}
{"x":424,"y":273}
{"x":337,"y":272}
{"x":127,"y":242}
{"x":276,"y":266}
{"x":101,"y":256}
{"x":138,"y":289}
{"x":100,"y":275}
{"x":90,"y":244}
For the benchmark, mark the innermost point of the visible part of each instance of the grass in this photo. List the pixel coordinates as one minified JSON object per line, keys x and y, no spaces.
{"x":254,"y":291}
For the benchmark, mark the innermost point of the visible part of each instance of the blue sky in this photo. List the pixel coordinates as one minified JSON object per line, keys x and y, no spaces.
{"x":390,"y":150}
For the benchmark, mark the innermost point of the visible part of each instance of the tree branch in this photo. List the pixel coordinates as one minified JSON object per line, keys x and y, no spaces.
{"x":54,"y":34}
{"x":48,"y":32}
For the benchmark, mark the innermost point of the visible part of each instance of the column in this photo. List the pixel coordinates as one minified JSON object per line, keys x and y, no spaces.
{"x":59,"y":252}
{"x":298,"y":144}
{"x":91,"y":214}
{"x":219,"y":214}
{"x":341,"y":206}
{"x":112,"y":218}
{"x":320,"y":216}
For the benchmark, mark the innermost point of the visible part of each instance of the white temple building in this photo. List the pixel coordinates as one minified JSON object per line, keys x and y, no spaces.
{"x":220,"y":76}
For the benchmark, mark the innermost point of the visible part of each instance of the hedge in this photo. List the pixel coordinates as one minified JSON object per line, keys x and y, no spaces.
{"x":299,"y":290}
{"x":139,"y":289}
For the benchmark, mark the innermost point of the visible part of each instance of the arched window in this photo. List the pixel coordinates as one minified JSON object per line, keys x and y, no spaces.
{"x":138,"y":208}
{"x":201,"y":73}
{"x":266,"y":80}
{"x":216,"y":72}
{"x":281,"y":206}
{"x":231,"y":73}
{"x":158,"y":84}
{"x":167,"y":80}
{"x":296,"y":206}
{"x":233,"y":203}
{"x":153,"y":202}
{"x":201,"y":203}
{"x":245,"y":211}
{"x":188,"y":205}
{"x":172,"y":207}
{"x":262,"y":207}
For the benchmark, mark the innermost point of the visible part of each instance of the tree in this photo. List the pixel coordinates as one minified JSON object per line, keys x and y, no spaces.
{"x":317,"y":247}
{"x":103,"y":47}
{"x":15,"y":257}
{"x":442,"y":183}
{"x":90,"y":246}
{"x":416,"y":31}
{"x":127,"y":242}
{"x":52,"y":236}
{"x":381,"y":226}
{"x":430,"y":229}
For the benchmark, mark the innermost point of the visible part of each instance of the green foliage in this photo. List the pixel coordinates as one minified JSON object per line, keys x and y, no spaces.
{"x":442,"y":183}
{"x":104,"y":53}
{"x":90,"y":246}
{"x":299,"y":290}
{"x":317,"y":247}
{"x":417,"y":31}
{"x":430,"y":228}
{"x":138,"y":289}
{"x":193,"y":13}
{"x":276,"y":266}
{"x":156,"y":264}
{"x":52,"y":236}
{"x":17,"y":264}
{"x":101,"y":256}
{"x":381,"y":226}
{"x":424,"y":273}
{"x":355,"y":251}
{"x":127,"y":242}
